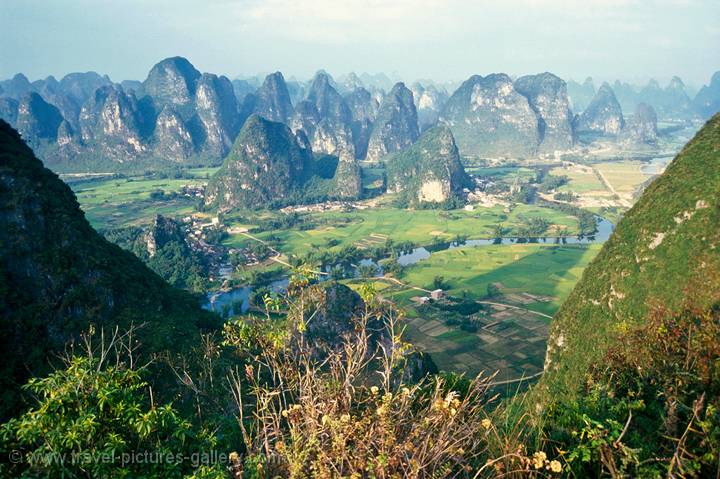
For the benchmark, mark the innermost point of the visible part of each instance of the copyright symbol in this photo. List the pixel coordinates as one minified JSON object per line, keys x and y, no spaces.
{"x":16,"y":457}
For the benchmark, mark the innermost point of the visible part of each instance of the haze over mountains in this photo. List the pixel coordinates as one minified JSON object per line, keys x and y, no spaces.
{"x":179,"y":115}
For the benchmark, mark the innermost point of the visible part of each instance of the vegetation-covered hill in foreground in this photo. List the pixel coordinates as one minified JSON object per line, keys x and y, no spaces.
{"x":664,"y":254}
{"x":58,"y":276}
{"x":632,"y":373}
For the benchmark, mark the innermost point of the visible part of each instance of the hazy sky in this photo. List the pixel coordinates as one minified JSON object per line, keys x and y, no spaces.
{"x":439,"y":39}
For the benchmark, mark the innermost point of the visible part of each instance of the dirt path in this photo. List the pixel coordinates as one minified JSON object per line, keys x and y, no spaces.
{"x":398,"y":282}
{"x":517,"y":380}
{"x":610,"y":187}
{"x":516,"y":307}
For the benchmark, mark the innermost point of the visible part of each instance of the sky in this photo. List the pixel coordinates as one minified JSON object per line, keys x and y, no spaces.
{"x":443,"y":40}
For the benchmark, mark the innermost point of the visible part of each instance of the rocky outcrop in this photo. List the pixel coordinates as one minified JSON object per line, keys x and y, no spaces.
{"x":350,"y":83}
{"x":17,"y":87}
{"x":266,"y":165}
{"x":112,"y":125}
{"x":428,"y":171}
{"x":66,"y":135}
{"x":52,"y":92}
{"x":172,"y":81}
{"x":328,"y":102}
{"x":180,"y":115}
{"x":489,"y":118}
{"x":364,"y":108}
{"x":162,"y":231}
{"x":347,"y":181}
{"x":272,"y":100}
{"x":669,"y":102}
{"x":81,"y":86}
{"x":548,"y":97}
{"x":362,"y":105}
{"x":396,"y":126}
{"x":707,"y":101}
{"x":333,"y":132}
{"x":603,"y":115}
{"x":330,"y":137}
{"x":580,"y":94}
{"x":331,"y":311}
{"x":217,"y":110}
{"x":37,"y":120}
{"x":173,"y":140}
{"x":306,"y":118}
{"x":642,"y":128}
{"x":429,"y":102}
{"x":9,"y":110}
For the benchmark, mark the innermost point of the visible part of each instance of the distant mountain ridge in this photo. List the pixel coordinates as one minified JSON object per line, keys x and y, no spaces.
{"x":179,"y":116}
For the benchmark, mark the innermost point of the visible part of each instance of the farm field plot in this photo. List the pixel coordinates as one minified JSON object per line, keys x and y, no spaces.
{"x":581,"y":179}
{"x":360,"y":228}
{"x":511,"y":340}
{"x":116,"y":202}
{"x":505,"y":174}
{"x":623,"y":176}
{"x":538,"y":269}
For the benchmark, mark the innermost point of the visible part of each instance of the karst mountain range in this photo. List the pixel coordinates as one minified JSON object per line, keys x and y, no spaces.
{"x":290,"y":136}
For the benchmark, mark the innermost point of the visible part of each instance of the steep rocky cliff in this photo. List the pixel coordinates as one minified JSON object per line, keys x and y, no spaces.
{"x":603,"y":115}
{"x":396,"y":125}
{"x":429,"y":102}
{"x":113,"y":126}
{"x":429,"y":170}
{"x":489,"y":118}
{"x":266,"y":165}
{"x":548,"y":97}
{"x":333,"y":132}
{"x":642,"y":128}
{"x":707,"y":101}
{"x":173,"y":140}
{"x":217,"y":110}
{"x":272,"y":100}
{"x":364,"y":108}
{"x":177,"y":115}
{"x":37,"y":120}
{"x":172,"y":81}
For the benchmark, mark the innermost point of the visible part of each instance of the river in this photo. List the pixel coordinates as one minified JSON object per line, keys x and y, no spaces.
{"x":228,"y":301}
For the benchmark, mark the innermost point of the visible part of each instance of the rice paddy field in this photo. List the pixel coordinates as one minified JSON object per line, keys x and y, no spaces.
{"x":115,"y":202}
{"x":365,"y":227}
{"x":533,"y":280}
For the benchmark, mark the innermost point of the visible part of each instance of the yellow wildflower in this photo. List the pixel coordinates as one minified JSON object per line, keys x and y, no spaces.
{"x":539,"y":459}
{"x":555,"y":466}
{"x":486,"y":423}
